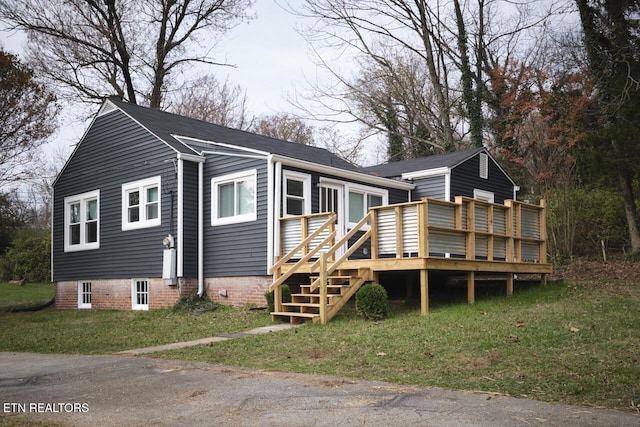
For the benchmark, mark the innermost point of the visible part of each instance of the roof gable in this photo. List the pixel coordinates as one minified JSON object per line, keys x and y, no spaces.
{"x":397,"y":169}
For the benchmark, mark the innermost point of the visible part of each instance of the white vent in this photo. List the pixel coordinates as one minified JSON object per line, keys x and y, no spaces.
{"x":484,"y":166}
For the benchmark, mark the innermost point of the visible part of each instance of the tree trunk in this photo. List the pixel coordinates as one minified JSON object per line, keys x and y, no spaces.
{"x":626,"y":184}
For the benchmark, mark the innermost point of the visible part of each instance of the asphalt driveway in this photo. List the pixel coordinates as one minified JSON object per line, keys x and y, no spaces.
{"x":121,"y":390}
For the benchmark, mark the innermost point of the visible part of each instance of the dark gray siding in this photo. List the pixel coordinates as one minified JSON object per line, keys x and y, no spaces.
{"x":190,"y":213}
{"x":114,"y":151}
{"x":466,"y":177}
{"x":433,"y":187}
{"x":235,"y":249}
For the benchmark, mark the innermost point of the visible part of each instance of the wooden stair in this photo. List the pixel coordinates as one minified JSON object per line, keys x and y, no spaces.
{"x":305,"y":306}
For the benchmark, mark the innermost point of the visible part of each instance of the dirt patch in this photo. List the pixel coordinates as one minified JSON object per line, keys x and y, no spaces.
{"x":585,"y":269}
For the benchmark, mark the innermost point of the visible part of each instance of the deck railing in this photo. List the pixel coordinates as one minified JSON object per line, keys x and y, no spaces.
{"x":465,"y":229}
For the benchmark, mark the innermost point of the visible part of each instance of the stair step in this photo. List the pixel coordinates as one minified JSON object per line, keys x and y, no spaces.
{"x":295,"y":317}
{"x":303,"y":304}
{"x":333,"y":277}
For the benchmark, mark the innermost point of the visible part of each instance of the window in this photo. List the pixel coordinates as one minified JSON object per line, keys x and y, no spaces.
{"x":297,"y":191}
{"x":233,"y":198}
{"x":82,"y":222}
{"x":140,"y":294}
{"x":141,"y":204}
{"x":487,"y":196}
{"x":84,"y":294}
{"x":361,"y":199}
{"x":484,"y":166}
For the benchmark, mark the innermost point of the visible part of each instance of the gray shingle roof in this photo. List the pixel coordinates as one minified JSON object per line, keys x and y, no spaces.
{"x":164,"y":125}
{"x":396,"y":169}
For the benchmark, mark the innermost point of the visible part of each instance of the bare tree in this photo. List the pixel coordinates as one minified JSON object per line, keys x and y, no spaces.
{"x":209,"y":100}
{"x":131,"y":49}
{"x":454,"y":44}
{"x":27,"y":118}
{"x":286,"y":127}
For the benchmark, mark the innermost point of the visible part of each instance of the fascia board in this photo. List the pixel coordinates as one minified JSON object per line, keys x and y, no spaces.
{"x":427,"y":173}
{"x":222,"y":144}
{"x":344,"y":173}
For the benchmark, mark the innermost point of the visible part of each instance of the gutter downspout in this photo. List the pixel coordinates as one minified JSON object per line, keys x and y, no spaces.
{"x":200,"y":229}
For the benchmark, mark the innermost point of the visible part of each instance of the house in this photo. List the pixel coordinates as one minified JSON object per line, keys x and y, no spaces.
{"x":151,"y":205}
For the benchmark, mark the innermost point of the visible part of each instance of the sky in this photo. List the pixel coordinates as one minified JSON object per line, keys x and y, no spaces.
{"x":272,"y":61}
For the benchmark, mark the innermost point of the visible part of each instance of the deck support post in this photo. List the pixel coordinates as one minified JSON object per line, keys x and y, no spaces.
{"x":471,"y":287}
{"x":509,"y":284}
{"x":323,"y":288}
{"x":424,"y":291}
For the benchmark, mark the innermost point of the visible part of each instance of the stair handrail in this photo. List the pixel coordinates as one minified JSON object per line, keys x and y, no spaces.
{"x":280,"y":280}
{"x":334,"y":266}
{"x":283,"y":260}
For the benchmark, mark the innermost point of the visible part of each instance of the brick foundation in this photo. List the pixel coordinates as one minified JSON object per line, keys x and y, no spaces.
{"x":239,"y":290}
{"x":116,"y":293}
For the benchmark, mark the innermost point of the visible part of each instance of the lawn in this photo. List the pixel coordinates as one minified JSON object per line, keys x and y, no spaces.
{"x":108,"y":331}
{"x":13,"y":296}
{"x":572,"y":342}
{"x":577,"y":343}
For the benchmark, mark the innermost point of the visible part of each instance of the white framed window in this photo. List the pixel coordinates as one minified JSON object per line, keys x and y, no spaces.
{"x":297,"y":193}
{"x":140,"y":294}
{"x":361,"y":198}
{"x":233,"y":198}
{"x":484,"y":166}
{"x":141,"y":203}
{"x":82,"y":221}
{"x":487,"y":196}
{"x":84,"y":294}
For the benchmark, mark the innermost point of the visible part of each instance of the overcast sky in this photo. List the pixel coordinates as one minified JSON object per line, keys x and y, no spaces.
{"x":272,"y":61}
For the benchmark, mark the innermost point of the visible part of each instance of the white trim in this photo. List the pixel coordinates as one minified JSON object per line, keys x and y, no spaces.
{"x":200,"y":229}
{"x":81,"y":293}
{"x":427,"y":173}
{"x":224,"y":179}
{"x":106,"y":108}
{"x":242,"y":155}
{"x":447,"y":187}
{"x":180,"y":219}
{"x":306,"y":190}
{"x":141,"y":186}
{"x":82,"y":199}
{"x":344,"y":173}
{"x":277,"y":211}
{"x":221,"y":144}
{"x":191,"y":157}
{"x":365,"y":191}
{"x":271,"y":200}
{"x":134,"y":295}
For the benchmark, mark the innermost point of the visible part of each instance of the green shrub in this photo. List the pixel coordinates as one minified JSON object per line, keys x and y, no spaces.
{"x":372,"y":301}
{"x":28,"y":257}
{"x":286,"y":297}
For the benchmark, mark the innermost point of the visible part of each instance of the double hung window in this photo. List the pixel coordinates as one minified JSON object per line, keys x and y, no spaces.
{"x":140,"y":294}
{"x":297,"y":193}
{"x":84,"y":294}
{"x":361,"y":199}
{"x":82,"y":221}
{"x":141,"y":204}
{"x":233,"y":198}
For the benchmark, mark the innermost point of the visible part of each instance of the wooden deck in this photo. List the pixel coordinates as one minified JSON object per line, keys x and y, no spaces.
{"x":467,"y":235}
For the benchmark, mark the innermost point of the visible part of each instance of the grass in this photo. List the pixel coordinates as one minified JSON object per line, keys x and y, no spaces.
{"x":577,"y":343}
{"x":30,"y":294}
{"x":107,"y":331}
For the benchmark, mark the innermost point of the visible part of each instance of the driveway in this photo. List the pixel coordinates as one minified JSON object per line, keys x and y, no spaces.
{"x":121,"y":390}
